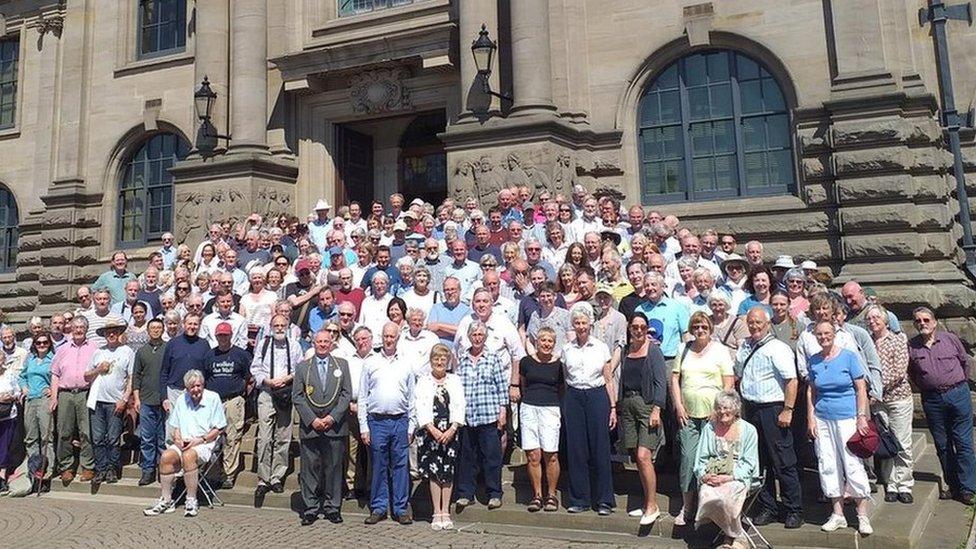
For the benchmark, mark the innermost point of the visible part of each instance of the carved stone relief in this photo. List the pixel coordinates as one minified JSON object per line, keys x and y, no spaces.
{"x":379,"y":91}
{"x":542,"y":169}
{"x":196,"y":209}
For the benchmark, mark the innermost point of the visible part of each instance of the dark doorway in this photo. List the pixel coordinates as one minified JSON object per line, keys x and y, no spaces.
{"x":423,"y":162}
{"x":354,"y":167}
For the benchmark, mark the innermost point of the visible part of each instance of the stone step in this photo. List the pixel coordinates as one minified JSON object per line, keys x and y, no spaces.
{"x":897,"y":526}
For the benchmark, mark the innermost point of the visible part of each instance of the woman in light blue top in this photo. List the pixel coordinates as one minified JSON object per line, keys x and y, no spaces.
{"x":35,"y":388}
{"x":837,"y":407}
{"x":726,"y":466}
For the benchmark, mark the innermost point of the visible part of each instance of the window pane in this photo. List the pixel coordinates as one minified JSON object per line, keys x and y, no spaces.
{"x":701,"y":139}
{"x":695,"y":71}
{"x":698,"y":101}
{"x":781,"y":168}
{"x":721,"y":100}
{"x":778,"y":130}
{"x":748,"y":69}
{"x":672,"y":177}
{"x":750,"y":94}
{"x":718,"y":67}
{"x":670,"y":107}
{"x":649,"y":110}
{"x":725,"y":173}
{"x":703,"y":174}
{"x":668,"y":79}
{"x":753,"y":134}
{"x":671,"y":142}
{"x":724,"y":138}
{"x":755,"y":169}
{"x":653,"y":178}
{"x":773,"y":98}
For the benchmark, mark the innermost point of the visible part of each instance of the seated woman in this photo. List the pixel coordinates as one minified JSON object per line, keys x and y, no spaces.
{"x":726,"y":466}
{"x":197,"y":419}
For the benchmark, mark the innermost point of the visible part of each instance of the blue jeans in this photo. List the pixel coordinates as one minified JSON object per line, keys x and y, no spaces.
{"x":152,"y":435}
{"x":391,"y":465}
{"x":950,"y":418}
{"x":481,"y":447}
{"x":106,"y":428}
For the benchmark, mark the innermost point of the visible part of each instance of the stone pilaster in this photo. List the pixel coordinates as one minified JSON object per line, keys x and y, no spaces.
{"x":212,"y":30}
{"x":531,"y":59}
{"x":474,"y":101}
{"x":249,"y":77}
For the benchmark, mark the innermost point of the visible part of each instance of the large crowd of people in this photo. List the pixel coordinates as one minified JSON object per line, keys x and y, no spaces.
{"x":420,"y":342}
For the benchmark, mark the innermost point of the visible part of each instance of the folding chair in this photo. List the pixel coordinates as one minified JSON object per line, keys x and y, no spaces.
{"x":750,"y":529}
{"x":203,"y":483}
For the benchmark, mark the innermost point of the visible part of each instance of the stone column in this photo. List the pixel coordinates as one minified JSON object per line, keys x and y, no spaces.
{"x":531,"y":58}
{"x":212,"y":47}
{"x":249,"y":77}
{"x":471,"y":16}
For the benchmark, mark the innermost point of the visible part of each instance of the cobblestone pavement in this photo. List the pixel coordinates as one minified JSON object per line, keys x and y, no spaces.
{"x":115,"y":522}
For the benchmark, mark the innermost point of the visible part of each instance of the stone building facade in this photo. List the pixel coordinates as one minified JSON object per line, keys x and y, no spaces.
{"x":356,"y":99}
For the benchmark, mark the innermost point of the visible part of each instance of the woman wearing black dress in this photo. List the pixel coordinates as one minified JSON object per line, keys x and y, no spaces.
{"x":439,"y":409}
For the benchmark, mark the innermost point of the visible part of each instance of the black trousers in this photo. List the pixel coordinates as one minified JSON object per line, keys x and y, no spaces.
{"x":776,"y":456}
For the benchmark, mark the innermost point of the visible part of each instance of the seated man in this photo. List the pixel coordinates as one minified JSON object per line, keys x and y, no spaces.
{"x":197,"y":419}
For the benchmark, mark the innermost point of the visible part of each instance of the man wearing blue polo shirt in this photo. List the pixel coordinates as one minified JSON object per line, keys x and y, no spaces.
{"x":444,"y":317}
{"x":672,"y":314}
{"x":115,"y":278}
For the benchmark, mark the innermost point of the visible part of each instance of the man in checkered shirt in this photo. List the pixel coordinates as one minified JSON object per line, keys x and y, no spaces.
{"x":485,"y":382}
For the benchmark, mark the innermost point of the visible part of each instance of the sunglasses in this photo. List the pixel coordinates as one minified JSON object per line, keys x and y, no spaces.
{"x":332,"y":330}
{"x":42,"y":342}
{"x":346,"y":314}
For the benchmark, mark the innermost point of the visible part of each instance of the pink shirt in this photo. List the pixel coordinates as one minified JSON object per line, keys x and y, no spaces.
{"x":70,"y":363}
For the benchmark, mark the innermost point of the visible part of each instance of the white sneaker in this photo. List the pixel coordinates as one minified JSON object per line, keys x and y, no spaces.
{"x":190,"y":508}
{"x":834,"y":522}
{"x":161,"y":506}
{"x":864,"y":526}
{"x":636,"y":513}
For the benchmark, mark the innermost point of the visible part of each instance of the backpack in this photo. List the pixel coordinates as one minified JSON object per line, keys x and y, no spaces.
{"x":20,"y":482}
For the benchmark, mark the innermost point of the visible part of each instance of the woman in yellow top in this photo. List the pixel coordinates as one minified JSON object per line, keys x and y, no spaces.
{"x":702,"y":369}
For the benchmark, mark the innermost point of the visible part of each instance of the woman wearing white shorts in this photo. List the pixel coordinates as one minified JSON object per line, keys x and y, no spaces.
{"x":541,"y":380}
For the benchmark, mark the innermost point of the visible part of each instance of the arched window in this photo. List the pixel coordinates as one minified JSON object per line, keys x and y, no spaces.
{"x":146,"y":189}
{"x":714,"y":125}
{"x":9,"y":221}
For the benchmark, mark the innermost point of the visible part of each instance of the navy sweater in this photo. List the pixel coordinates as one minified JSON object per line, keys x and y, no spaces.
{"x":181,"y":355}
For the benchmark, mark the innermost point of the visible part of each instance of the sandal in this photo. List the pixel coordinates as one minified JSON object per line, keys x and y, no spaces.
{"x":552,"y":504}
{"x":535,"y":505}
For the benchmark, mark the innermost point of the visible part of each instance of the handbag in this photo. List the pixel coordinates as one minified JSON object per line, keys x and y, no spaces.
{"x":6,"y":408}
{"x":888,"y":446}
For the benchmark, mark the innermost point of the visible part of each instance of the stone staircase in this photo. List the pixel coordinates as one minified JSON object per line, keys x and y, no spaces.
{"x":897,"y":526}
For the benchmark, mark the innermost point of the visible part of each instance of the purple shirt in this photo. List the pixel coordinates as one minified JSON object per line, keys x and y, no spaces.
{"x":939,"y":367}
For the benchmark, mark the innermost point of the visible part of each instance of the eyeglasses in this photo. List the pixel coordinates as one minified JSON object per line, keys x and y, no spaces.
{"x":42,"y":342}
{"x":346,"y":314}
{"x":182,"y":289}
{"x":923,"y":321}
{"x":489,"y":265}
{"x":332,"y":330}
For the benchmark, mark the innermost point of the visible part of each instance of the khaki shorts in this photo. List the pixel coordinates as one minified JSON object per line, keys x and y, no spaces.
{"x":633,"y":416}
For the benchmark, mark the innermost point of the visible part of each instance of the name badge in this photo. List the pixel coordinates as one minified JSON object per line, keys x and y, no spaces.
{"x":337,"y":373}
{"x":309,"y":389}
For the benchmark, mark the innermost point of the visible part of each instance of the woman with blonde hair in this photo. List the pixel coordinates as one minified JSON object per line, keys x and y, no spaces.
{"x":439,"y":414}
{"x":702,"y":369}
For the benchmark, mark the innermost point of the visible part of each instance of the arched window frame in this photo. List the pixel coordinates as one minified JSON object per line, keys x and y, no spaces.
{"x":9,"y":230}
{"x":681,"y":159}
{"x":145,"y":189}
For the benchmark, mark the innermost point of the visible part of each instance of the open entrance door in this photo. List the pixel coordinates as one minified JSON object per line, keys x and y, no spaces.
{"x":423,"y":162}
{"x":354,"y":167}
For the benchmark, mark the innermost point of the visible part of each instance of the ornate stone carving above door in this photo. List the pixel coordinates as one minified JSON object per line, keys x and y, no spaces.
{"x":379,"y":91}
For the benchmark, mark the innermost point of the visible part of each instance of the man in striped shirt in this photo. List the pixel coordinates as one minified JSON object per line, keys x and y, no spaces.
{"x":766,"y":370}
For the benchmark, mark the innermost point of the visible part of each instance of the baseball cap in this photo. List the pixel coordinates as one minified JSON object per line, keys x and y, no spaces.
{"x":528,"y":205}
{"x":223,"y":329}
{"x":655,"y":329}
{"x":335,"y":251}
{"x":302,"y":265}
{"x":399,"y":226}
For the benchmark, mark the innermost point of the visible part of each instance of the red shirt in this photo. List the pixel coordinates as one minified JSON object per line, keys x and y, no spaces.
{"x":354,"y":296}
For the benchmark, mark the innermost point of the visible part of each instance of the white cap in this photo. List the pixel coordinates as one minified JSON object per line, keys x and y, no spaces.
{"x":322,"y":204}
{"x":784,"y":262}
{"x":809,"y":265}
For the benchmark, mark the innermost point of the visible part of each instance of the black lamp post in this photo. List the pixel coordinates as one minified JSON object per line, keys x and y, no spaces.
{"x":483,"y":49}
{"x":203,"y":100}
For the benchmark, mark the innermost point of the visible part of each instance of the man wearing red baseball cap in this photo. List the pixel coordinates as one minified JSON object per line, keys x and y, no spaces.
{"x":227,"y":372}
